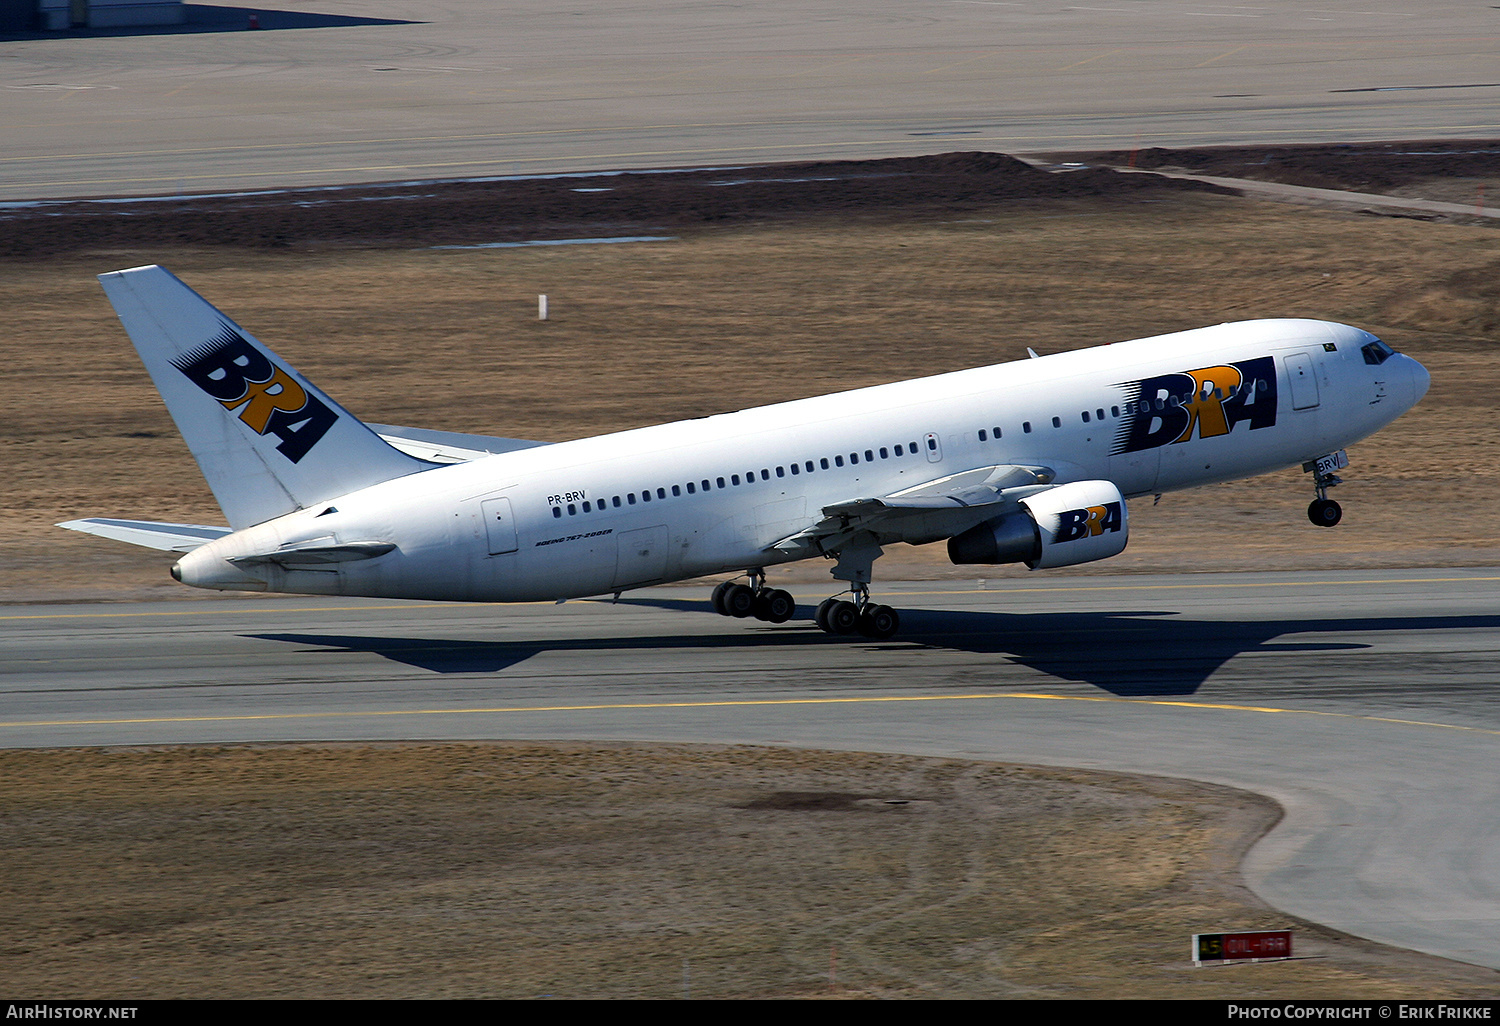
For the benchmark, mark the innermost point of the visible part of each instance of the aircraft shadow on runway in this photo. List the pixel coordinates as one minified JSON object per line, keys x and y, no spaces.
{"x":209,"y":18}
{"x":1139,"y":653}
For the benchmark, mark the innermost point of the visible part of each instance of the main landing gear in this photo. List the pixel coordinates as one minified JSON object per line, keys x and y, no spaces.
{"x":854,"y":615}
{"x":861,"y":616}
{"x":1324,"y":511}
{"x":754,"y":599}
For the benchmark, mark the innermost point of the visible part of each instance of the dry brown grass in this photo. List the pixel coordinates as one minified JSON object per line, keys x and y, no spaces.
{"x":527,"y":870}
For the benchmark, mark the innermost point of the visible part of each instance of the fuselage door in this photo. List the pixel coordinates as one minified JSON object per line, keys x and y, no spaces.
{"x":1304,"y":381}
{"x":499,"y":525}
{"x":933,"y":447}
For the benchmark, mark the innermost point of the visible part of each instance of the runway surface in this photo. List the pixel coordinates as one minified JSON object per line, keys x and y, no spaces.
{"x":1362,"y":702}
{"x":339,"y":91}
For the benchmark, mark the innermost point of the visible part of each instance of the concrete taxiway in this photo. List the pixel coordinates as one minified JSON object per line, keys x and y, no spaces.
{"x":349,"y":91}
{"x":1362,"y":702}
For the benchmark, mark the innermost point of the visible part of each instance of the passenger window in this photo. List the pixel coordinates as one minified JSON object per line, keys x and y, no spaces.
{"x":572,"y":510}
{"x":661,"y":493}
{"x":838,"y":460}
{"x":1057,"y":422}
{"x":1114,"y":411}
{"x":1085,"y":416}
{"x":677,"y":490}
{"x":796,"y":469}
{"x":586,"y":508}
{"x":809,"y":465}
{"x":869,"y":456}
{"x":780,"y":472}
{"x":765,"y":475}
{"x":885,"y":454}
{"x":691,"y":490}
{"x":706,"y":487}
{"x":557,"y":511}
{"x":734,"y":479}
{"x":1101,"y":414}
{"x":630,"y":498}
{"x":853,"y":458}
{"x":1026,"y":427}
{"x":824,"y":462}
{"x":997,"y":433}
{"x":615,"y":502}
{"x":983,"y":437}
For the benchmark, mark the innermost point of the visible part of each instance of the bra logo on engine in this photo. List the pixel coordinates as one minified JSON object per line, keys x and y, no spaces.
{"x":1089,"y":522}
{"x":1208,"y":402}
{"x":269,"y":400}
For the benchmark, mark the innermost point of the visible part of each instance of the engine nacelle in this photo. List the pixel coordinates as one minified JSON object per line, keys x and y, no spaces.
{"x":1068,"y":524}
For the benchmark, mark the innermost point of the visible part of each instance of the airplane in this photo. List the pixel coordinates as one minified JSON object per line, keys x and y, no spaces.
{"x":1030,"y":462}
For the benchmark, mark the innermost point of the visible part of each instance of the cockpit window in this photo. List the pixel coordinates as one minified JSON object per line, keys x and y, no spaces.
{"x":1377,"y":352}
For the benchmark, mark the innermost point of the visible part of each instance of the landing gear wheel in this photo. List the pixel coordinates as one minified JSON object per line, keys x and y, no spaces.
{"x":739,"y":600}
{"x":1325,"y":512}
{"x":717,"y":599}
{"x":774,"y":606}
{"x":842,"y":618}
{"x":879,"y":622}
{"x":778,"y":605}
{"x":820,"y":617}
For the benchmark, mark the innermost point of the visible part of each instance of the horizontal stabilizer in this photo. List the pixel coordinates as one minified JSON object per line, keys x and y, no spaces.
{"x":305,"y":554}
{"x":447,"y":446}
{"x":149,"y":533}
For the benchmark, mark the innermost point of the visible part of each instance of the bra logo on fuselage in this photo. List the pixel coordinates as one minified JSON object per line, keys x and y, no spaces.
{"x":1209,"y":402}
{"x":238,"y":375}
{"x":1089,"y":522}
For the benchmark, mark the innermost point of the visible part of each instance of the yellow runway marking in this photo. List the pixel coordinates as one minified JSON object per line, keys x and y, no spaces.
{"x":1221,"y":56}
{"x":1090,"y":60}
{"x":735,"y":703}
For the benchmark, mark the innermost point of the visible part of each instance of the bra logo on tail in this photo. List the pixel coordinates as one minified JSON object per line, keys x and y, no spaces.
{"x":269,"y":400}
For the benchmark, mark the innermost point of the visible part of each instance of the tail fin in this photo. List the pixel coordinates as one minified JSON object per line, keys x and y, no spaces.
{"x":267,"y":441}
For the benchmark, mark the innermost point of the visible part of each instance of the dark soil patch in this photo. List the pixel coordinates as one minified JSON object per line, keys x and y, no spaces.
{"x":587,"y":205}
{"x":1360,"y":167}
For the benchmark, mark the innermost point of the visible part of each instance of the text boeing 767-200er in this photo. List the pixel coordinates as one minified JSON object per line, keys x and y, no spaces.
{"x":1027,"y":462}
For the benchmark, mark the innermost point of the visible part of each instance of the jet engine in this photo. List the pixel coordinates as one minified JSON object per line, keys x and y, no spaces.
{"x":1068,"y":524}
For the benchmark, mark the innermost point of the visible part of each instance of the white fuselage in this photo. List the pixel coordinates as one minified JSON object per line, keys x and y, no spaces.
{"x":714,"y":494}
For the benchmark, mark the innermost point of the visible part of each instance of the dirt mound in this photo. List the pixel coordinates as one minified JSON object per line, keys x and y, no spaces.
{"x":518,"y":209}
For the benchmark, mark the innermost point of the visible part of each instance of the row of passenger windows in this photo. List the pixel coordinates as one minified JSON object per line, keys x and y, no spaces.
{"x":870,"y":455}
{"x":734,"y":480}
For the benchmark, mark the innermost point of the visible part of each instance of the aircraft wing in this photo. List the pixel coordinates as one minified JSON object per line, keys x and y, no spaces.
{"x":924,"y":513}
{"x":149,"y":533}
{"x":447,"y":446}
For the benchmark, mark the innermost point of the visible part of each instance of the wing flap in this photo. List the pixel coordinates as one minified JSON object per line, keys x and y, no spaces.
{"x":924,"y":513}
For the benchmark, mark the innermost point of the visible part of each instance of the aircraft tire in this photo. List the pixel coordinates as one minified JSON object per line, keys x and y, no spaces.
{"x":779,"y":605}
{"x":842,"y":618}
{"x":820,"y":617}
{"x":879,"y":622}
{"x":739,"y":600}
{"x":1325,"y":512}
{"x":717,"y":599}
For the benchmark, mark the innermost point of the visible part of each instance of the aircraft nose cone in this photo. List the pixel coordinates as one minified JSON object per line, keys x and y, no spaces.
{"x":1420,"y":380}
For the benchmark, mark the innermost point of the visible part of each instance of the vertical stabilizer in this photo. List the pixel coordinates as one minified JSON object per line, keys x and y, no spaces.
{"x":266,"y":439}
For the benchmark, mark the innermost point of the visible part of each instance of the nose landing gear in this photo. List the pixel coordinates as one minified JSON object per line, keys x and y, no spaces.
{"x":1323,"y":511}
